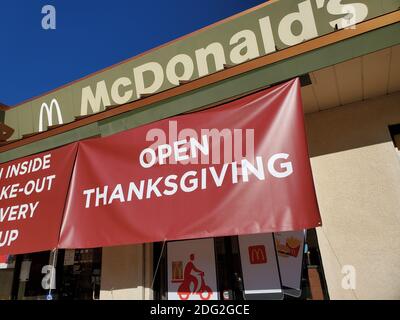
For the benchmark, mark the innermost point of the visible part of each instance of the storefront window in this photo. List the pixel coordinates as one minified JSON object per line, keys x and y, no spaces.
{"x":7,"y":266}
{"x":160,"y":271}
{"x":80,"y":278}
{"x":33,"y":279}
{"x":229,"y":271}
{"x":313,"y":283}
{"x":230,"y":276}
{"x":61,"y":274}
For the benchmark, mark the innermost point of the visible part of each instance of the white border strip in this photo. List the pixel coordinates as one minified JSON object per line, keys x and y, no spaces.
{"x":263,"y":291}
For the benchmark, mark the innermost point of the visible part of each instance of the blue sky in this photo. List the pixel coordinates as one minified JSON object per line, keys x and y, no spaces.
{"x":90,"y":35}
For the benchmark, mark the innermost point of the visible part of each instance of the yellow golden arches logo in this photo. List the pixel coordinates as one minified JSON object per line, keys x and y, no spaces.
{"x":49,"y":113}
{"x":257,"y":254}
{"x":177,"y":271}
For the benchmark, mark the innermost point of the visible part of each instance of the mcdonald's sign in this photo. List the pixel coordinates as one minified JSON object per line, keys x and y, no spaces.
{"x":49,"y":113}
{"x":257,"y":254}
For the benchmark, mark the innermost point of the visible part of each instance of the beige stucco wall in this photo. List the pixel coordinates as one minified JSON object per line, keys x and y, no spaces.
{"x":357,"y":177}
{"x":126,"y":273}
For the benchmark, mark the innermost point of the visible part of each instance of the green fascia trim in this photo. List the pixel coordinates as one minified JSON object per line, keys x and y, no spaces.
{"x":271,"y":74}
{"x":51,"y":142}
{"x":2,"y":116}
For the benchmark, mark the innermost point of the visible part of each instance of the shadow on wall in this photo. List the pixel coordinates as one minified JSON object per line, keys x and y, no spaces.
{"x":352,"y":126}
{"x":123,"y":268}
{"x":2,"y":114}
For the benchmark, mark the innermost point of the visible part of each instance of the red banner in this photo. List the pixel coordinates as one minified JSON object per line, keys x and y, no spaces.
{"x":3,"y":259}
{"x":239,"y":168}
{"x":33,"y":191}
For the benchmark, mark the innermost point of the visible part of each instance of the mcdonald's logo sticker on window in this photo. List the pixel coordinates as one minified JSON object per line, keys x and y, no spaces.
{"x":257,"y":254}
{"x":48,"y":109}
{"x":177,"y":271}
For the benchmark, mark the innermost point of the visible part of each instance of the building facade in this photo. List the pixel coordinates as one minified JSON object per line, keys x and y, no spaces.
{"x":348,"y":59}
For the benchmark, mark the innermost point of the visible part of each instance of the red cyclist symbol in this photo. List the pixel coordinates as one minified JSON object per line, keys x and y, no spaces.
{"x":184,"y":290}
